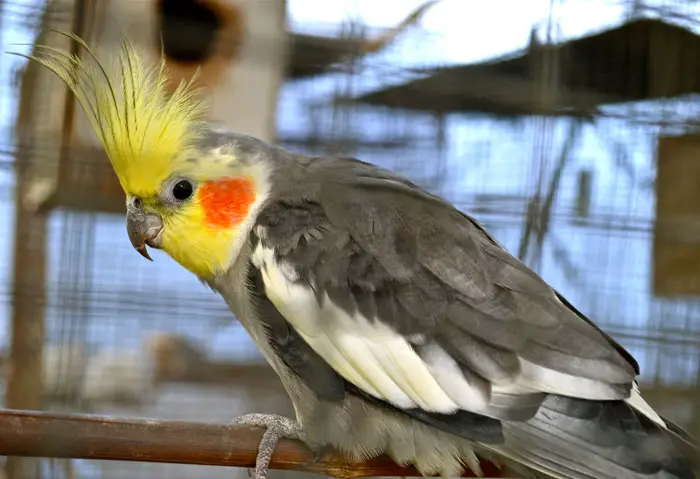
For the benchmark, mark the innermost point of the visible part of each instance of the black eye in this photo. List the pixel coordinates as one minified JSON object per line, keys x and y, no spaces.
{"x":182,"y":190}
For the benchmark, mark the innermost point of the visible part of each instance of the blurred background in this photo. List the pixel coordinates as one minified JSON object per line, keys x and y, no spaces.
{"x":568,"y":127}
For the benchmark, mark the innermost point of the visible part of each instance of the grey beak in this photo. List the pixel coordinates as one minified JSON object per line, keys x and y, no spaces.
{"x":143,"y":228}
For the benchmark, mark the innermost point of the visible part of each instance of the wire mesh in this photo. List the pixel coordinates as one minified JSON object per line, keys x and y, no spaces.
{"x":573,"y":194}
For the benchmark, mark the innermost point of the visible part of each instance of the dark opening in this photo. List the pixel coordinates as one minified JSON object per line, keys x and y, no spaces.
{"x":188,"y":29}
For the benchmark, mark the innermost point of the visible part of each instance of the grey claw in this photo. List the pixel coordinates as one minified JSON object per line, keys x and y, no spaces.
{"x":277,"y":427}
{"x":317,"y":453}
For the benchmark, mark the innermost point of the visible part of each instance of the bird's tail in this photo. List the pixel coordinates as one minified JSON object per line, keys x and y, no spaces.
{"x":579,"y":439}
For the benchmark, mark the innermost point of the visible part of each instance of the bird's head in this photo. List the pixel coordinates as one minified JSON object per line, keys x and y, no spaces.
{"x":183,"y":196}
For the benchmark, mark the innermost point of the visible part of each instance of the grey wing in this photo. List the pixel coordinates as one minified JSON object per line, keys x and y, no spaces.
{"x":394,"y":253}
{"x":407,"y":301}
{"x":329,"y":386}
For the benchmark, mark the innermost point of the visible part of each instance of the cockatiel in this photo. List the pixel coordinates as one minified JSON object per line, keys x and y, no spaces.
{"x":396,"y":323}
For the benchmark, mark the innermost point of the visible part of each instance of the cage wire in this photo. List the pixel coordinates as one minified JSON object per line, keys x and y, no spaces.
{"x":528,"y":140}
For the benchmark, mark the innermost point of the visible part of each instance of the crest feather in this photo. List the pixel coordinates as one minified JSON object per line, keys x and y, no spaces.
{"x":143,"y":128}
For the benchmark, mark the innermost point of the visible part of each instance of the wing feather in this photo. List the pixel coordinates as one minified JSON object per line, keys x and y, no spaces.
{"x":424,"y":293}
{"x":411,"y":305}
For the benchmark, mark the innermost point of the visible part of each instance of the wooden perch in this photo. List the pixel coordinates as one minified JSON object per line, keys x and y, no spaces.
{"x":40,"y":434}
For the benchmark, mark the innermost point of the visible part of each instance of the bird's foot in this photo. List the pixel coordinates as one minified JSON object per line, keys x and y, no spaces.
{"x":277,"y":427}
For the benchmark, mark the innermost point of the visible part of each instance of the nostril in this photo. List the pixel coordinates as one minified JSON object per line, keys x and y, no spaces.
{"x":136,"y":202}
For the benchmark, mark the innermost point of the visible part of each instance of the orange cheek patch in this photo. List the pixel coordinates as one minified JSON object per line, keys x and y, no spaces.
{"x":225,"y":203}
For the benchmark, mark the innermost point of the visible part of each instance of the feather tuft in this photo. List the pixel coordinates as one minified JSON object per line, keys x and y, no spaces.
{"x":143,"y":128}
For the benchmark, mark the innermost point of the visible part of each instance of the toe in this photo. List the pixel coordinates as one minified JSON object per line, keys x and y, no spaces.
{"x":317,"y":452}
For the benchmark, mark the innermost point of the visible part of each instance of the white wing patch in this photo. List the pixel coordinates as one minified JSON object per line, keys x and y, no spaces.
{"x":637,"y":402}
{"x":547,"y":380}
{"x":367,"y":353}
{"x":381,"y":362}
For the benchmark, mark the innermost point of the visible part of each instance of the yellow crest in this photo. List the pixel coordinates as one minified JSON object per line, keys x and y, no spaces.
{"x":143,"y":128}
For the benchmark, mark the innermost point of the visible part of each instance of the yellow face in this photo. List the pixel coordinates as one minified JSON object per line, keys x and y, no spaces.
{"x":196,"y":213}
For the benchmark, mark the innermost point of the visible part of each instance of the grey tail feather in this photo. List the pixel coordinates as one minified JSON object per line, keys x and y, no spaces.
{"x":579,"y":439}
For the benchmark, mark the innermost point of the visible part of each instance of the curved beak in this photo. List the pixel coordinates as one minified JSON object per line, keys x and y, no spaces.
{"x":143,"y":228}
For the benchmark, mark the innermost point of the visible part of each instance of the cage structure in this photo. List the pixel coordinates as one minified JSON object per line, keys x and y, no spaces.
{"x":575,"y":151}
{"x":88,"y":329}
{"x":594,"y":187}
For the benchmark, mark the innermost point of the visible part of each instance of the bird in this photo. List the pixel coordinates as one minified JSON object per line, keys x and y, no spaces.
{"x":396,"y":322}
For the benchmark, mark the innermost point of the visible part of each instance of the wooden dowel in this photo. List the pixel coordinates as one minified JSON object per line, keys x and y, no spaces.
{"x":45,"y":434}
